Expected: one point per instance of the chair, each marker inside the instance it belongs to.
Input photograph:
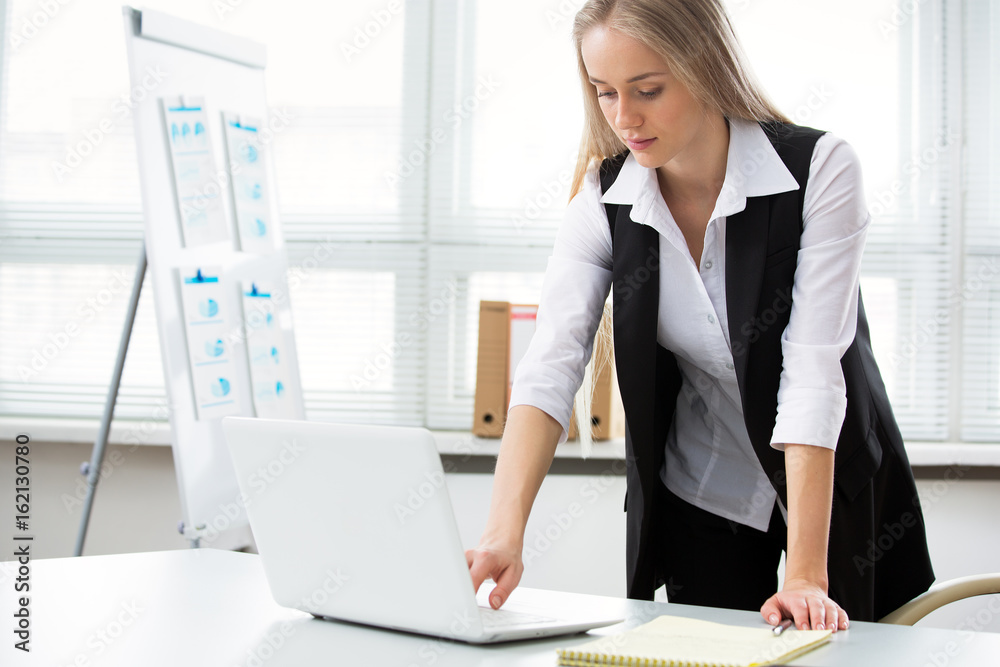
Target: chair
(941, 594)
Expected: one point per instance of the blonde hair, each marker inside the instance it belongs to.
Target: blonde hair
(698, 44)
(602, 356)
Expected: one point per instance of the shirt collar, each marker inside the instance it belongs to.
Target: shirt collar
(753, 169)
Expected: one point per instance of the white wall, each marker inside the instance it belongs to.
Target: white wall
(575, 538)
(136, 508)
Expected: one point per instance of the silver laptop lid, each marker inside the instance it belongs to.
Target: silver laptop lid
(354, 522)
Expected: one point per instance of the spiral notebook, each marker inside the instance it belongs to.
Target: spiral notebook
(670, 641)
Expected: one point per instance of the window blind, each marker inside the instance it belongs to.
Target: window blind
(351, 78)
(460, 278)
(512, 126)
(433, 160)
(497, 192)
(889, 97)
(979, 291)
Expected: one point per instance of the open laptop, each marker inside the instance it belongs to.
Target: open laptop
(354, 523)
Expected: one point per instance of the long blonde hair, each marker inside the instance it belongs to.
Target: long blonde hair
(698, 44)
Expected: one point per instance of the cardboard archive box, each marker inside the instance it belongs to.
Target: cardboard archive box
(504, 332)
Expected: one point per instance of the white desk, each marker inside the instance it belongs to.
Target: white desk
(213, 608)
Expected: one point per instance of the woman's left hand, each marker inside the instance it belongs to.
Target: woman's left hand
(807, 604)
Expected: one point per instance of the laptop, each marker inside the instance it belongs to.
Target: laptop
(354, 523)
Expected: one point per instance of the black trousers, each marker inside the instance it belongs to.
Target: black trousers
(707, 560)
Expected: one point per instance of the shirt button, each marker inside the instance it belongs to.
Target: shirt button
(729, 365)
(711, 319)
(708, 264)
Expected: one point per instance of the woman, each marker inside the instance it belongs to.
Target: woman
(733, 242)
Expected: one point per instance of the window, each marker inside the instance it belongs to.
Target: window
(455, 147)
(353, 81)
(914, 94)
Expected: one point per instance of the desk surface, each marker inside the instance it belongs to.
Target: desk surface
(213, 608)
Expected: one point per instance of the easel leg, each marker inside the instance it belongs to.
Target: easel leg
(93, 469)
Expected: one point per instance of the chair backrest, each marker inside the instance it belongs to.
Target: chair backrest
(941, 594)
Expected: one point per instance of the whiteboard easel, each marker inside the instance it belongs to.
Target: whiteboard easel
(169, 57)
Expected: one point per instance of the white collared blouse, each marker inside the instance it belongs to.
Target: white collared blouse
(709, 459)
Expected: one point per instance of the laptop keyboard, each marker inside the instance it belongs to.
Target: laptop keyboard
(502, 618)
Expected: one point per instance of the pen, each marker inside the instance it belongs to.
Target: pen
(781, 627)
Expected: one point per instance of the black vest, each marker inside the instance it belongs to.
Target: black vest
(874, 487)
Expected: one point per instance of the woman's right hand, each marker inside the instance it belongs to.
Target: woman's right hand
(498, 561)
(529, 444)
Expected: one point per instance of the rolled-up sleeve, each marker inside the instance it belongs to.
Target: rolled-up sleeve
(575, 287)
(812, 396)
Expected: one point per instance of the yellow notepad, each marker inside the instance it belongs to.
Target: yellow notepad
(670, 641)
